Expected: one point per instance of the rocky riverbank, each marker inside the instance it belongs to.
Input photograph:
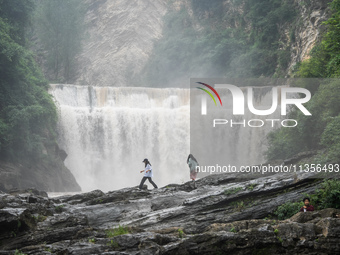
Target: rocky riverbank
(225, 214)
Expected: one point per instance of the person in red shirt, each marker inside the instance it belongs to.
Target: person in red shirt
(307, 207)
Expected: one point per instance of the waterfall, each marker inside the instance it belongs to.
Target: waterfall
(108, 131)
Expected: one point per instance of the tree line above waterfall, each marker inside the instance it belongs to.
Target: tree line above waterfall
(234, 39)
(47, 32)
(27, 112)
(57, 33)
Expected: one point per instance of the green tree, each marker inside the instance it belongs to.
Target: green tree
(325, 57)
(287, 210)
(319, 131)
(219, 40)
(327, 196)
(312, 132)
(60, 30)
(19, 15)
(27, 112)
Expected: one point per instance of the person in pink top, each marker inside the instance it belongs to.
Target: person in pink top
(193, 164)
(307, 207)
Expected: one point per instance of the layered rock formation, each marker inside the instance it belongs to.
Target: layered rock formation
(121, 34)
(119, 40)
(225, 214)
(308, 29)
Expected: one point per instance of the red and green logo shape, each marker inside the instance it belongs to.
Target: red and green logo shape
(207, 91)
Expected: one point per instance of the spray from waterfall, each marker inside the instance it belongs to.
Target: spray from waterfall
(108, 131)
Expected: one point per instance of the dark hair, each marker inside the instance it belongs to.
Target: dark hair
(192, 157)
(306, 198)
(147, 162)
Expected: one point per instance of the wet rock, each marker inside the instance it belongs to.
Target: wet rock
(303, 217)
(31, 191)
(225, 214)
(330, 227)
(84, 197)
(299, 156)
(60, 153)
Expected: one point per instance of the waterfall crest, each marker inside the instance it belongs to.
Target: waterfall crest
(108, 131)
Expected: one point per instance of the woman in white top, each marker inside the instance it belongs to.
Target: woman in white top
(147, 175)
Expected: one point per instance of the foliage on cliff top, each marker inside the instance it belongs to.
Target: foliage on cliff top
(219, 39)
(59, 27)
(324, 61)
(27, 112)
(315, 132)
(321, 130)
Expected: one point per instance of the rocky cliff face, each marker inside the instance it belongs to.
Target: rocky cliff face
(119, 40)
(308, 29)
(121, 35)
(56, 178)
(47, 174)
(225, 214)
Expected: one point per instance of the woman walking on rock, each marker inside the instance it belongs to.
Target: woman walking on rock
(147, 175)
(193, 164)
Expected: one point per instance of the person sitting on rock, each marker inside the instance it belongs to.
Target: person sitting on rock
(307, 207)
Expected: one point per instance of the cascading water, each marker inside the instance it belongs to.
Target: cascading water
(108, 131)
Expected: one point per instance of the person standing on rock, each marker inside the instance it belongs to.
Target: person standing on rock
(193, 164)
(147, 175)
(307, 207)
